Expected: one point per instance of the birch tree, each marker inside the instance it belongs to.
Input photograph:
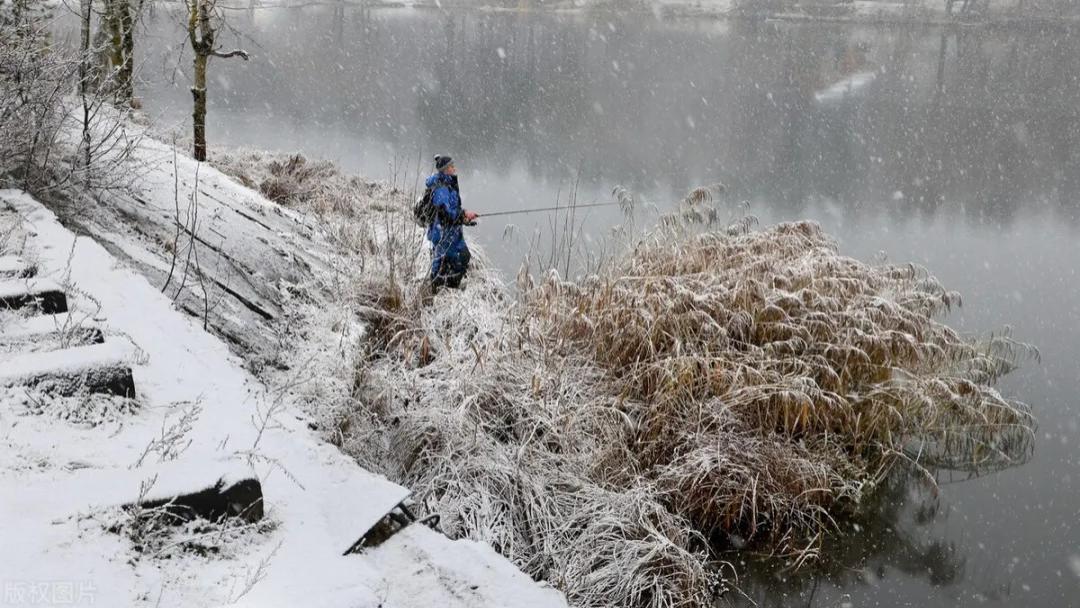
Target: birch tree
(121, 17)
(85, 10)
(204, 21)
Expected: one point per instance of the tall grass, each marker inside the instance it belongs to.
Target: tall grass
(709, 388)
(609, 434)
(772, 378)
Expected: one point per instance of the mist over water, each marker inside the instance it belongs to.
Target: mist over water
(957, 149)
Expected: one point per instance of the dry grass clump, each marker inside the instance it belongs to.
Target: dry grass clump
(510, 453)
(294, 181)
(776, 377)
(709, 389)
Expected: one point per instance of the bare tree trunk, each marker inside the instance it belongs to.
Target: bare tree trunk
(126, 75)
(126, 43)
(198, 92)
(201, 35)
(201, 32)
(84, 76)
(120, 19)
(111, 23)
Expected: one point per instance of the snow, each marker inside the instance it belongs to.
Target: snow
(24, 328)
(14, 288)
(69, 362)
(58, 480)
(246, 246)
(12, 264)
(93, 489)
(356, 503)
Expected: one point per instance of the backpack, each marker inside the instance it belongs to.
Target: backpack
(424, 209)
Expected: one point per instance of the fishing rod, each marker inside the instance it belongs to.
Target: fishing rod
(543, 209)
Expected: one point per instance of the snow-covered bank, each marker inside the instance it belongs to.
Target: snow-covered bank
(221, 251)
(63, 482)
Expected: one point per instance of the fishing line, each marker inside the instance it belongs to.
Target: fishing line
(543, 209)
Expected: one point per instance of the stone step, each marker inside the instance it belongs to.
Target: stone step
(183, 489)
(99, 368)
(358, 509)
(223, 499)
(13, 266)
(78, 328)
(20, 293)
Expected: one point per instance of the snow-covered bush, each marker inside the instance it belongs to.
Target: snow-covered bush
(34, 77)
(62, 129)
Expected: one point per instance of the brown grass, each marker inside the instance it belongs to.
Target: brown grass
(773, 378)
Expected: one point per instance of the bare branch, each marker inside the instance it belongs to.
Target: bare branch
(237, 53)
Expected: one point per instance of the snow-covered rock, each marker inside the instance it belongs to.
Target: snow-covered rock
(48, 294)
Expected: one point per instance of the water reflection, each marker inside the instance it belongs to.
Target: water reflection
(892, 534)
(889, 538)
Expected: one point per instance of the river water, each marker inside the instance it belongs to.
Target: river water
(955, 149)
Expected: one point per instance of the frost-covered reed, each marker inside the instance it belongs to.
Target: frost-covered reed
(707, 389)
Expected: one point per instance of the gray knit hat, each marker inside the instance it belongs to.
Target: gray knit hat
(442, 162)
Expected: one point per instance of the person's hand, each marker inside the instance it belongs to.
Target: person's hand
(470, 216)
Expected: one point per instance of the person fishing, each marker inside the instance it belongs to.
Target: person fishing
(440, 211)
(449, 254)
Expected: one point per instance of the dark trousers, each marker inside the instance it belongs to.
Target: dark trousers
(451, 267)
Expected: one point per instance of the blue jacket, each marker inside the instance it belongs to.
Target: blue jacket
(450, 255)
(445, 232)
